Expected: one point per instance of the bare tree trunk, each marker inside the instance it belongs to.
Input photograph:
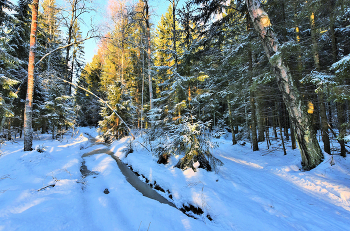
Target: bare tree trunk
(324, 124)
(280, 127)
(332, 30)
(9, 129)
(267, 132)
(323, 115)
(341, 126)
(252, 102)
(292, 134)
(70, 35)
(43, 126)
(253, 125)
(261, 122)
(174, 32)
(28, 130)
(314, 42)
(310, 150)
(143, 84)
(254, 136)
(148, 35)
(286, 123)
(274, 124)
(231, 122)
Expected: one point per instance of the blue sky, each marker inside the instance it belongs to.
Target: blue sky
(158, 7)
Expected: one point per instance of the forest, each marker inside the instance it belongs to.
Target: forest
(222, 106)
(207, 67)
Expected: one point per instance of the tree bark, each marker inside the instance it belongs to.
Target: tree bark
(310, 150)
(28, 130)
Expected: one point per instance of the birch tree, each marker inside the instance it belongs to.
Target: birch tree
(310, 150)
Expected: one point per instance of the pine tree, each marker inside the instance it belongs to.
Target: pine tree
(28, 130)
(88, 106)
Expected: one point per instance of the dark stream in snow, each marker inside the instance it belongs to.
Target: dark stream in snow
(130, 176)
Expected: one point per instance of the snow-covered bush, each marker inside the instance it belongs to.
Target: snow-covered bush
(190, 139)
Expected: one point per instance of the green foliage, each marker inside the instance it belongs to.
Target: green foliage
(87, 105)
(196, 144)
(341, 82)
(6, 96)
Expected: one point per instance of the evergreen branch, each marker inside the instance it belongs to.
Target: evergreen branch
(101, 101)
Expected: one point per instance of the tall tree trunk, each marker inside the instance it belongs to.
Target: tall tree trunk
(267, 131)
(143, 82)
(148, 35)
(9, 129)
(323, 115)
(253, 123)
(43, 126)
(311, 153)
(332, 30)
(70, 35)
(314, 42)
(274, 123)
(174, 32)
(342, 128)
(299, 68)
(286, 124)
(252, 101)
(254, 137)
(324, 124)
(28, 130)
(280, 127)
(261, 122)
(231, 122)
(292, 134)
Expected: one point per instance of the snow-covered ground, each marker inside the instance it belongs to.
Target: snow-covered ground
(262, 190)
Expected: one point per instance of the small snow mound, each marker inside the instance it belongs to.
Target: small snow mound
(196, 164)
(291, 168)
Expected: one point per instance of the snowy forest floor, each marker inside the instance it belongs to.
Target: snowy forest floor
(58, 189)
